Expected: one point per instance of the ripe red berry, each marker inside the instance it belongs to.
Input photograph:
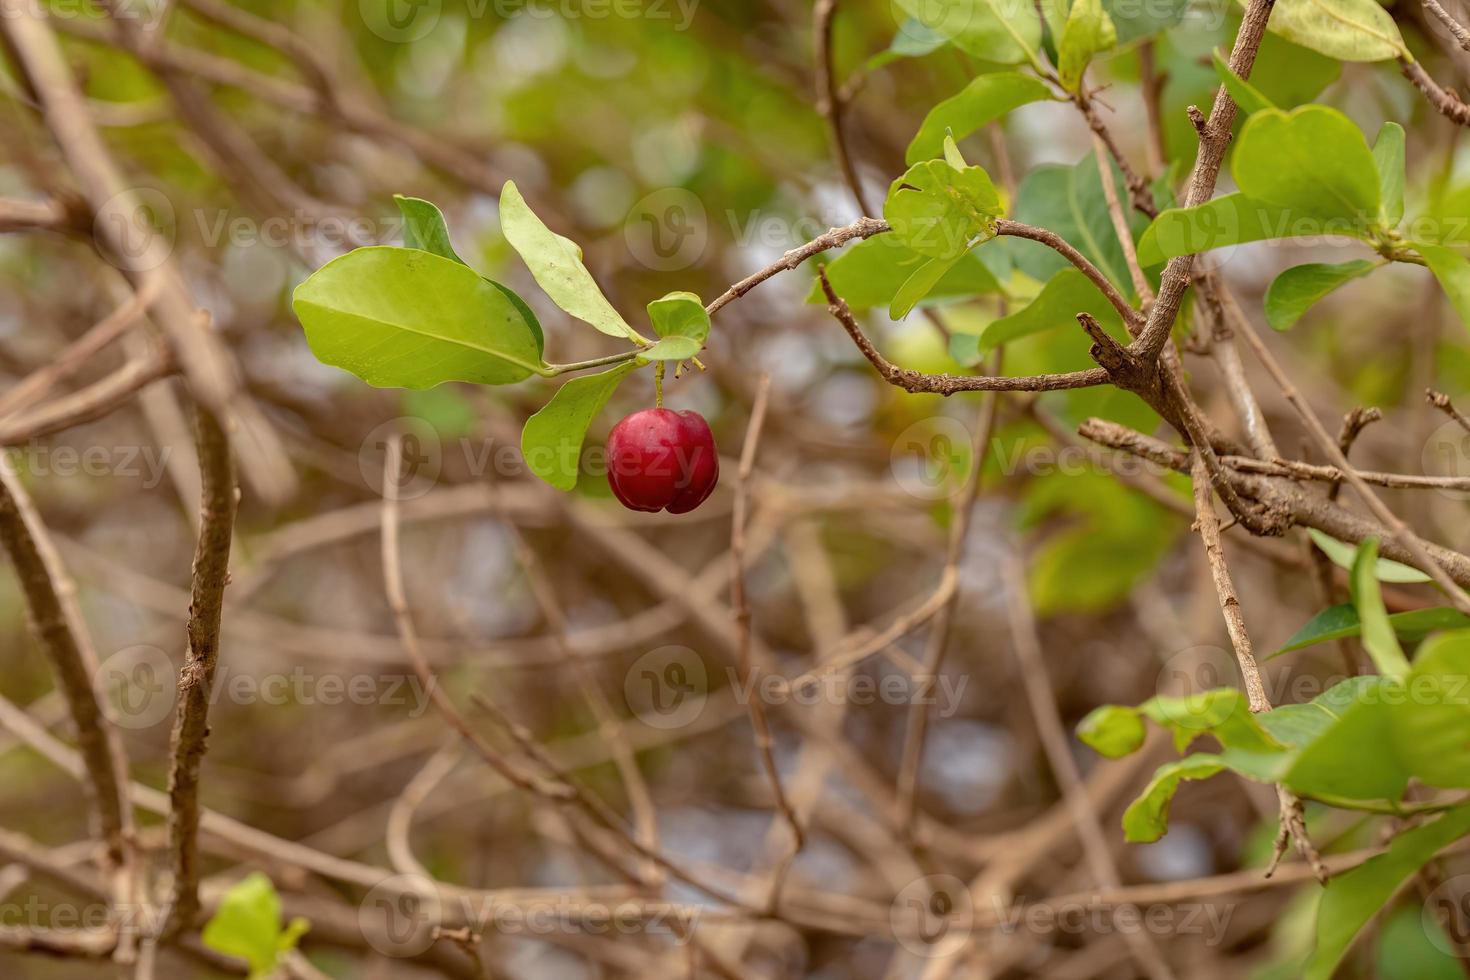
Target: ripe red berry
(659, 459)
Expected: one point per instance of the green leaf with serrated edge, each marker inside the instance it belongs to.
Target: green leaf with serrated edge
(247, 924)
(1431, 727)
(992, 30)
(920, 284)
(1112, 730)
(1313, 160)
(1247, 96)
(1088, 32)
(1341, 622)
(1378, 636)
(942, 212)
(986, 99)
(403, 318)
(1348, 30)
(1453, 272)
(1065, 295)
(1388, 155)
(1354, 897)
(870, 273)
(424, 228)
(1147, 817)
(551, 441)
(679, 314)
(556, 264)
(1342, 556)
(1231, 219)
(1295, 291)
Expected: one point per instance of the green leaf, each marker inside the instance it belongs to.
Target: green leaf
(552, 440)
(942, 212)
(920, 284)
(1378, 636)
(1065, 295)
(1135, 20)
(1431, 727)
(556, 264)
(1070, 202)
(1112, 730)
(870, 273)
(1348, 30)
(424, 228)
(1221, 712)
(1354, 758)
(1388, 156)
(1147, 818)
(1312, 160)
(914, 40)
(247, 925)
(671, 349)
(1354, 897)
(1295, 291)
(1453, 272)
(679, 314)
(1247, 96)
(1088, 31)
(952, 154)
(1341, 622)
(986, 99)
(1231, 219)
(1343, 555)
(992, 30)
(400, 317)
(1299, 725)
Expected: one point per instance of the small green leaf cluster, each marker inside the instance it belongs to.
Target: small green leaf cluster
(247, 925)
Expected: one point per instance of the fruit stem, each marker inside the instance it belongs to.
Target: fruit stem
(658, 385)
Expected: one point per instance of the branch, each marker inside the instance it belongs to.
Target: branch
(1447, 103)
(829, 103)
(218, 503)
(833, 238)
(948, 384)
(1442, 402)
(1061, 246)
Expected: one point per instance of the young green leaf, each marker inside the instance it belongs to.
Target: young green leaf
(551, 441)
(1147, 818)
(1222, 712)
(424, 227)
(1341, 622)
(679, 314)
(556, 264)
(952, 154)
(870, 274)
(1378, 636)
(1348, 30)
(942, 212)
(1430, 727)
(1295, 291)
(1388, 155)
(1089, 31)
(670, 349)
(400, 317)
(1354, 757)
(992, 30)
(1247, 96)
(1112, 730)
(1453, 272)
(1354, 897)
(247, 925)
(920, 284)
(1312, 161)
(986, 99)
(1343, 556)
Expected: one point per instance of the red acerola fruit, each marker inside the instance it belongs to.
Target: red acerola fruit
(660, 459)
